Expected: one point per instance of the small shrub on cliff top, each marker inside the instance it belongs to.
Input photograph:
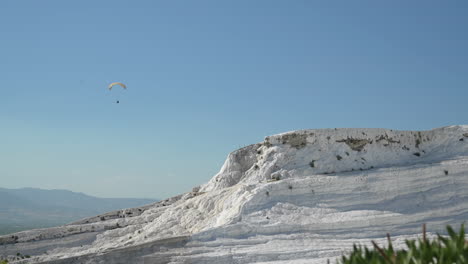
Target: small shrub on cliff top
(452, 249)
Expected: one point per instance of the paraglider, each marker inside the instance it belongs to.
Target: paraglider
(119, 84)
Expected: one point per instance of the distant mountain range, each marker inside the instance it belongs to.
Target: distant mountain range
(28, 208)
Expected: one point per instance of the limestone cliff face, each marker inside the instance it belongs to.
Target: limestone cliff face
(327, 151)
(298, 196)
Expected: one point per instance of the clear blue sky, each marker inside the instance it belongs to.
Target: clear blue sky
(207, 77)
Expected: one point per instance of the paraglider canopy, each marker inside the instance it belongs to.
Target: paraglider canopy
(117, 83)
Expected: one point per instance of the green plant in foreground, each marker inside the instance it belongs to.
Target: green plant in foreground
(3, 261)
(451, 249)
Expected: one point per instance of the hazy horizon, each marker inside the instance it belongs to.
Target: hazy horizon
(32, 208)
(78, 192)
(207, 77)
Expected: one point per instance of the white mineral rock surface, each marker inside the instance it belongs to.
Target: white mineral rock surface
(298, 197)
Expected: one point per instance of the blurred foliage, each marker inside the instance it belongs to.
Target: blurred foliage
(451, 249)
